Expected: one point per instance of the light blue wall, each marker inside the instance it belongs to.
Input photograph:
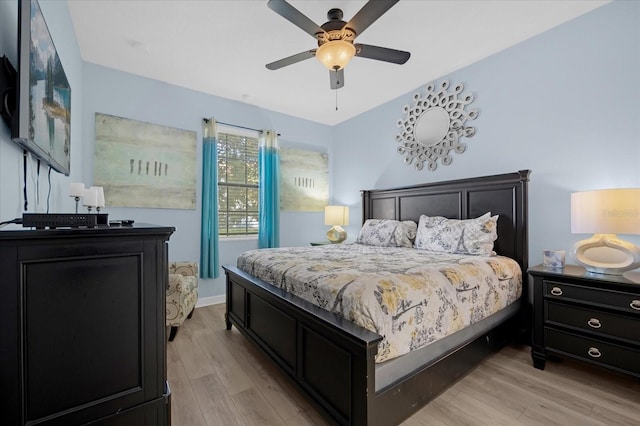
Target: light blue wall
(59, 23)
(121, 94)
(565, 104)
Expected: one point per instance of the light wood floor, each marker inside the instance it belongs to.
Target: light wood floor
(217, 377)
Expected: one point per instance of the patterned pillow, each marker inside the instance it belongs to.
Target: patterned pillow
(387, 233)
(471, 236)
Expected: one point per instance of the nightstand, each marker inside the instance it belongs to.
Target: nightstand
(590, 317)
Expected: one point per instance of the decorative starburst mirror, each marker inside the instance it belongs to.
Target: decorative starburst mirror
(433, 125)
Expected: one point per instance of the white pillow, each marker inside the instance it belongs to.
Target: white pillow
(387, 233)
(470, 236)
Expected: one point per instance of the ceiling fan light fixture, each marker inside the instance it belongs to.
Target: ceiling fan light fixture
(335, 54)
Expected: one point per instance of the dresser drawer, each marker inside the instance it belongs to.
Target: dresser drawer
(591, 320)
(626, 302)
(593, 350)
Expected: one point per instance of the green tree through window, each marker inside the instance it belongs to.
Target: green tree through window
(238, 179)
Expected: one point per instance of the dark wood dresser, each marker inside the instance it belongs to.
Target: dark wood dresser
(82, 326)
(591, 317)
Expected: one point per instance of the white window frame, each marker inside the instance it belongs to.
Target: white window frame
(242, 133)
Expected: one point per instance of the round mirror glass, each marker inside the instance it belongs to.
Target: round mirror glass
(432, 126)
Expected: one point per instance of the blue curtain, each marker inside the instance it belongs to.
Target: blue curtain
(209, 263)
(269, 163)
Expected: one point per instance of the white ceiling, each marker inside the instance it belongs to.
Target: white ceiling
(221, 47)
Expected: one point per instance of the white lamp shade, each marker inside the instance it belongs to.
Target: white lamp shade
(90, 197)
(335, 54)
(336, 215)
(76, 189)
(606, 211)
(100, 195)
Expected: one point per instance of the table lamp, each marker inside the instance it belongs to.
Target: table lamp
(90, 198)
(605, 213)
(76, 191)
(336, 216)
(100, 197)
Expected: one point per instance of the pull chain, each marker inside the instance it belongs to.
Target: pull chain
(336, 99)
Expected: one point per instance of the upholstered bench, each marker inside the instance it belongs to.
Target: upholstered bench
(182, 294)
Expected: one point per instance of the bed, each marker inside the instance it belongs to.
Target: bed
(333, 360)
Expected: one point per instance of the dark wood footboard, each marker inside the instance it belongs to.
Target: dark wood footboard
(329, 358)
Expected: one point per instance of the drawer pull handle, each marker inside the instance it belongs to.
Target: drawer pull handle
(635, 305)
(594, 323)
(594, 352)
(557, 291)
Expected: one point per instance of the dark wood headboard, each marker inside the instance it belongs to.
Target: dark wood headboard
(504, 195)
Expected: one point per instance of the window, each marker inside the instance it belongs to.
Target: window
(238, 179)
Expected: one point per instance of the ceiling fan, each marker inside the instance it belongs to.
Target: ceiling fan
(335, 38)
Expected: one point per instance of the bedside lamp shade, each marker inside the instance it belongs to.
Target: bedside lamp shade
(605, 213)
(336, 216)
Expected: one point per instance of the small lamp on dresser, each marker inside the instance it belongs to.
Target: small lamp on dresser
(76, 190)
(605, 213)
(99, 197)
(90, 198)
(336, 216)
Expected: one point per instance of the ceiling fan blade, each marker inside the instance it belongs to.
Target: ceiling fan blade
(290, 60)
(293, 15)
(369, 13)
(382, 53)
(337, 79)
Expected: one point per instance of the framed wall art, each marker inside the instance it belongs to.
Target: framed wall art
(304, 180)
(144, 165)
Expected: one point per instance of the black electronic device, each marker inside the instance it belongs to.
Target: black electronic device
(41, 112)
(58, 220)
(8, 76)
(120, 222)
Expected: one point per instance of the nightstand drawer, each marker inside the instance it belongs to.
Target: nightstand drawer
(626, 302)
(605, 354)
(615, 326)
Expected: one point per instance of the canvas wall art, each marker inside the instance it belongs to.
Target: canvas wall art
(304, 180)
(145, 165)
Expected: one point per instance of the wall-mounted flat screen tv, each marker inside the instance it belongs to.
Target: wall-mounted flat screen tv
(41, 122)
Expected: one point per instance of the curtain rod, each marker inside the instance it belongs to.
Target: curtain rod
(206, 120)
(236, 126)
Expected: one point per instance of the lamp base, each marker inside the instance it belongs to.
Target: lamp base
(336, 234)
(622, 256)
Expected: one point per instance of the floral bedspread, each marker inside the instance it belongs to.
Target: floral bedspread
(410, 297)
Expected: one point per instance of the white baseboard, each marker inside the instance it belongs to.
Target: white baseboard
(211, 300)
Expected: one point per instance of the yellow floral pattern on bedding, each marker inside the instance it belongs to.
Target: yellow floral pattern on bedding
(410, 297)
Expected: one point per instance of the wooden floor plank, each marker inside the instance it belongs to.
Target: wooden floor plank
(218, 377)
(196, 362)
(184, 405)
(588, 387)
(218, 407)
(255, 409)
(491, 394)
(274, 385)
